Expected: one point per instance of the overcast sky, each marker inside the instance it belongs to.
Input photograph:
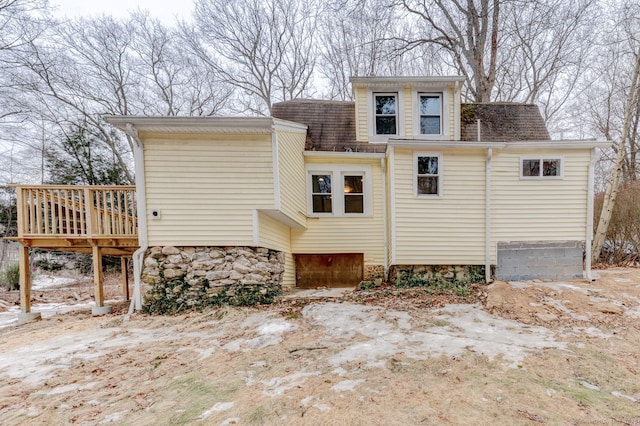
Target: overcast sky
(165, 10)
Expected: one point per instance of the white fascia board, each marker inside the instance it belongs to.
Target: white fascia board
(183, 124)
(559, 144)
(285, 219)
(349, 155)
(414, 81)
(432, 144)
(289, 126)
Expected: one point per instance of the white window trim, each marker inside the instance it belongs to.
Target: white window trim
(415, 174)
(337, 173)
(541, 159)
(444, 113)
(400, 123)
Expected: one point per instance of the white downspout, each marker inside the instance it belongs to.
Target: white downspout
(383, 165)
(141, 199)
(487, 218)
(589, 235)
(487, 212)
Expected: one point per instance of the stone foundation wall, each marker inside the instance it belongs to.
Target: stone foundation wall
(372, 272)
(220, 266)
(435, 273)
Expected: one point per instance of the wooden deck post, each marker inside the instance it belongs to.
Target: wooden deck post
(25, 315)
(98, 277)
(25, 280)
(125, 277)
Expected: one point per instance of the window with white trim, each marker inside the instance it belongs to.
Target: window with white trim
(428, 174)
(321, 193)
(430, 113)
(385, 108)
(541, 168)
(339, 190)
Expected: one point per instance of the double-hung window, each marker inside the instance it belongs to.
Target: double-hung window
(339, 190)
(321, 193)
(430, 112)
(386, 113)
(428, 174)
(541, 168)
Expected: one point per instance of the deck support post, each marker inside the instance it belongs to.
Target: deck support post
(125, 277)
(98, 287)
(25, 288)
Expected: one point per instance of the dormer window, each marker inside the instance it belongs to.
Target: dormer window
(430, 109)
(386, 113)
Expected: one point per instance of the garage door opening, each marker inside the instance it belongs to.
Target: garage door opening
(329, 270)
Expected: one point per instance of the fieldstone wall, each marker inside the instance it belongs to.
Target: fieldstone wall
(220, 266)
(437, 273)
(373, 272)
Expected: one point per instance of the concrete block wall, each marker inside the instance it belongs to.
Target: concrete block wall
(557, 260)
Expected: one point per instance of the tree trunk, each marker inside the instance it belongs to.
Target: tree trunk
(611, 191)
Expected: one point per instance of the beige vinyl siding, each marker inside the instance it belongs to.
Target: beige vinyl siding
(407, 112)
(346, 234)
(539, 209)
(448, 230)
(276, 236)
(362, 113)
(289, 277)
(454, 118)
(388, 208)
(206, 187)
(273, 234)
(293, 201)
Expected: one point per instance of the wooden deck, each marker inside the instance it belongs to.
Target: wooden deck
(101, 220)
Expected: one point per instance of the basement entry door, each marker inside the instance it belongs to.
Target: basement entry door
(329, 270)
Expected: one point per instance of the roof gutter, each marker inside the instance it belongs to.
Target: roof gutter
(141, 197)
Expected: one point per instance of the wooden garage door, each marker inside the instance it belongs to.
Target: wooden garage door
(329, 270)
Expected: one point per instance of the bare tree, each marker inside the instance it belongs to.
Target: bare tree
(614, 182)
(87, 68)
(176, 82)
(625, 46)
(468, 31)
(508, 50)
(266, 49)
(355, 40)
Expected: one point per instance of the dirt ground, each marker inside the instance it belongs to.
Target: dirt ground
(519, 353)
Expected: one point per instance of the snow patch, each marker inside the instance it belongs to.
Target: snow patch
(279, 385)
(217, 407)
(347, 385)
(42, 281)
(469, 329)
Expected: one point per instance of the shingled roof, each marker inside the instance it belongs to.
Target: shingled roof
(502, 122)
(331, 124)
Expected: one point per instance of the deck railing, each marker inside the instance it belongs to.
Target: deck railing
(77, 211)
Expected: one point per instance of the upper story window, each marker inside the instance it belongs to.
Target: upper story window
(339, 190)
(430, 111)
(428, 174)
(321, 193)
(386, 113)
(541, 168)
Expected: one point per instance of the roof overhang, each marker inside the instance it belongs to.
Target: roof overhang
(412, 143)
(557, 144)
(345, 154)
(184, 124)
(401, 81)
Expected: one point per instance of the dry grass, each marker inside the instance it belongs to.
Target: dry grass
(188, 374)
